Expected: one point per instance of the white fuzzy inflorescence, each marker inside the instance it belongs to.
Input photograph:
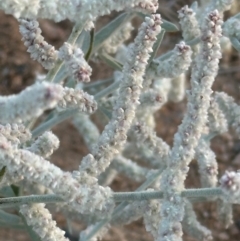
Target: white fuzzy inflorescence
(189, 23)
(231, 28)
(45, 144)
(192, 226)
(208, 167)
(81, 197)
(15, 133)
(112, 44)
(75, 10)
(31, 102)
(39, 49)
(77, 99)
(75, 63)
(230, 184)
(175, 65)
(230, 109)
(40, 219)
(189, 132)
(114, 135)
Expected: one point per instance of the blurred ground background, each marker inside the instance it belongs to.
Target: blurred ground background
(17, 71)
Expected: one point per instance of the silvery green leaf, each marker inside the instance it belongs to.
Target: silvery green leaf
(7, 192)
(86, 42)
(237, 16)
(168, 26)
(70, 83)
(235, 43)
(109, 60)
(103, 34)
(106, 112)
(194, 6)
(9, 218)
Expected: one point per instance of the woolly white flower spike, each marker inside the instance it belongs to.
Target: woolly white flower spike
(129, 168)
(160, 149)
(40, 219)
(114, 135)
(10, 178)
(172, 67)
(15, 133)
(230, 109)
(84, 197)
(220, 5)
(231, 28)
(39, 49)
(76, 10)
(112, 44)
(192, 226)
(56, 10)
(217, 122)
(150, 101)
(207, 163)
(178, 88)
(77, 98)
(26, 8)
(189, 23)
(147, 6)
(151, 217)
(225, 213)
(87, 129)
(31, 102)
(189, 132)
(75, 62)
(45, 144)
(210, 5)
(230, 185)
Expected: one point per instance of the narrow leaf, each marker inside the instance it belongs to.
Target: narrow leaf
(88, 54)
(194, 6)
(8, 218)
(86, 42)
(106, 112)
(15, 190)
(7, 192)
(235, 43)
(109, 60)
(2, 172)
(168, 26)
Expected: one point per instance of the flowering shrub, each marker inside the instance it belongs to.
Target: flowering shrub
(141, 84)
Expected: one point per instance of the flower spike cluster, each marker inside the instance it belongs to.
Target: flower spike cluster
(114, 135)
(75, 63)
(18, 108)
(141, 85)
(39, 49)
(40, 219)
(189, 132)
